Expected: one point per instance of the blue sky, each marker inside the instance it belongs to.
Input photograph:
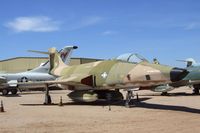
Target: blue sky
(168, 30)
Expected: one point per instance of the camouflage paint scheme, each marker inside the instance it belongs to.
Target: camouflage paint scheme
(109, 74)
(103, 79)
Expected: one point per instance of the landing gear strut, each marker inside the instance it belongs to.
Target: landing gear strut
(129, 97)
(196, 89)
(14, 91)
(164, 93)
(47, 96)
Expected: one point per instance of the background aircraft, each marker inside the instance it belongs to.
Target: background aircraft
(194, 68)
(103, 79)
(192, 79)
(190, 62)
(8, 81)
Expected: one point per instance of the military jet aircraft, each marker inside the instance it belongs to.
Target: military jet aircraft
(190, 62)
(194, 68)
(103, 79)
(8, 81)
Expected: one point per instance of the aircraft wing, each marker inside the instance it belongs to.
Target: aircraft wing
(138, 84)
(89, 81)
(74, 80)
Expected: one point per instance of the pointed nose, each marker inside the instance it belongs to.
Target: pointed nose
(178, 74)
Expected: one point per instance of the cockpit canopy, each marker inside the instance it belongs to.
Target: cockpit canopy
(131, 58)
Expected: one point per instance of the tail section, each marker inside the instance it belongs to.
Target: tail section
(65, 54)
(189, 62)
(56, 62)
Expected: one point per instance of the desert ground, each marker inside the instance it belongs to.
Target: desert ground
(25, 113)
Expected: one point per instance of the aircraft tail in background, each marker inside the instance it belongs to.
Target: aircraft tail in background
(65, 54)
(189, 62)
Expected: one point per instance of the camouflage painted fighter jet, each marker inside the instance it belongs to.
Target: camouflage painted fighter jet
(8, 81)
(103, 79)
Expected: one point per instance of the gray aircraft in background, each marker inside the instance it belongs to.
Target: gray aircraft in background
(8, 81)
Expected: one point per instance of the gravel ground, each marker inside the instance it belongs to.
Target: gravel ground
(179, 112)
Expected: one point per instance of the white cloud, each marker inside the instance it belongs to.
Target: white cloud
(33, 24)
(84, 22)
(91, 21)
(192, 26)
(109, 32)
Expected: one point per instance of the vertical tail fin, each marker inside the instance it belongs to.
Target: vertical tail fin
(66, 53)
(56, 62)
(189, 62)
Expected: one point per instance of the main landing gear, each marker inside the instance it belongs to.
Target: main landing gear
(129, 97)
(196, 89)
(164, 93)
(6, 91)
(47, 100)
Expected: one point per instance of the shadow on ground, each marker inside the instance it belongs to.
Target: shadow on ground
(11, 95)
(166, 107)
(97, 103)
(177, 94)
(136, 104)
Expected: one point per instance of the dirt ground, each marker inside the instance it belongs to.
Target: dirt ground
(179, 112)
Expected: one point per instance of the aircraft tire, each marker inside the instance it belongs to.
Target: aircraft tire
(5, 92)
(196, 89)
(164, 94)
(14, 91)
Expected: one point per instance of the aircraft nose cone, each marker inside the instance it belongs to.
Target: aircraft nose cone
(178, 74)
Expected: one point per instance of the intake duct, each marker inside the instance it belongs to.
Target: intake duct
(178, 74)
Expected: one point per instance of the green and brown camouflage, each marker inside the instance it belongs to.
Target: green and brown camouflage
(103, 79)
(113, 74)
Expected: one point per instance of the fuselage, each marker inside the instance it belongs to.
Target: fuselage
(112, 73)
(27, 76)
(38, 74)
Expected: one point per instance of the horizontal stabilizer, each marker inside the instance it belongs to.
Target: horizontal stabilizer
(39, 52)
(189, 62)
